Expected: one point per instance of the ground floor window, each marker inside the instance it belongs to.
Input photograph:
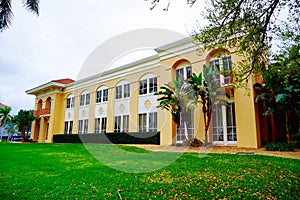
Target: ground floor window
(100, 125)
(121, 123)
(223, 123)
(83, 126)
(148, 122)
(68, 127)
(180, 131)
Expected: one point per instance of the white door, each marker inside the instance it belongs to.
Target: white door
(223, 125)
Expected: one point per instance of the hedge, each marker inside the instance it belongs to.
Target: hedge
(110, 138)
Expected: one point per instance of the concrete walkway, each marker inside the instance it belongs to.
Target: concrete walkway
(222, 149)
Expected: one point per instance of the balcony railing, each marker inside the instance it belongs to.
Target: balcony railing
(41, 112)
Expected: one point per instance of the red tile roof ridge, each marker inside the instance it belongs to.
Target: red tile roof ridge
(63, 81)
(3, 105)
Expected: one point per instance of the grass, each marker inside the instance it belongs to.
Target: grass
(69, 171)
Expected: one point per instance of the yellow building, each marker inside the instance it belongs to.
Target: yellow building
(123, 100)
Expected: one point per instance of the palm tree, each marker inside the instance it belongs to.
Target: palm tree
(179, 98)
(5, 116)
(6, 13)
(207, 89)
(23, 120)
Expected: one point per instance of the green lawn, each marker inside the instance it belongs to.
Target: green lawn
(69, 171)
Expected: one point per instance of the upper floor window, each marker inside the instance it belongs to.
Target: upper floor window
(223, 64)
(123, 90)
(184, 72)
(102, 94)
(70, 101)
(148, 84)
(84, 99)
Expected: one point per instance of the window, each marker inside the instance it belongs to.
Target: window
(148, 122)
(123, 90)
(153, 122)
(84, 99)
(68, 127)
(119, 92)
(152, 85)
(102, 95)
(70, 102)
(148, 86)
(125, 123)
(184, 73)
(83, 126)
(223, 123)
(143, 87)
(117, 124)
(143, 122)
(121, 123)
(222, 65)
(126, 90)
(100, 125)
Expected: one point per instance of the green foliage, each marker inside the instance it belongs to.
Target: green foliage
(110, 138)
(69, 171)
(23, 121)
(5, 116)
(281, 91)
(295, 138)
(247, 27)
(280, 146)
(208, 91)
(196, 143)
(178, 97)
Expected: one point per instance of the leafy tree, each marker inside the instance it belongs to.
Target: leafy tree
(5, 116)
(11, 129)
(23, 120)
(249, 27)
(178, 97)
(209, 92)
(280, 92)
(6, 13)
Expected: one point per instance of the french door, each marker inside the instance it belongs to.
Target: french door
(223, 125)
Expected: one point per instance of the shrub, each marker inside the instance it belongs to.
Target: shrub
(280, 146)
(196, 143)
(109, 138)
(296, 139)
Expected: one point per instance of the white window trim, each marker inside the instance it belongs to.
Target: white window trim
(147, 79)
(221, 66)
(86, 102)
(121, 123)
(102, 88)
(147, 121)
(184, 67)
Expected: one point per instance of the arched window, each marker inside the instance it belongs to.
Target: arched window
(84, 98)
(148, 84)
(102, 94)
(70, 101)
(123, 89)
(183, 69)
(220, 60)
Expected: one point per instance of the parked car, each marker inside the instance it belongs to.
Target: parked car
(16, 139)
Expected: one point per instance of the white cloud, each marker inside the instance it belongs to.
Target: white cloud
(54, 45)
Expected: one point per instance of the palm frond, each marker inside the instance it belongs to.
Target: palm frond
(6, 14)
(32, 5)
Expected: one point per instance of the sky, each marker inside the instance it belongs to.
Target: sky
(54, 45)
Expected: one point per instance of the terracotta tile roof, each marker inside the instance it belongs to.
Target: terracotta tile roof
(3, 105)
(64, 81)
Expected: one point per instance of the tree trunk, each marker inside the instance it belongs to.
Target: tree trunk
(186, 131)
